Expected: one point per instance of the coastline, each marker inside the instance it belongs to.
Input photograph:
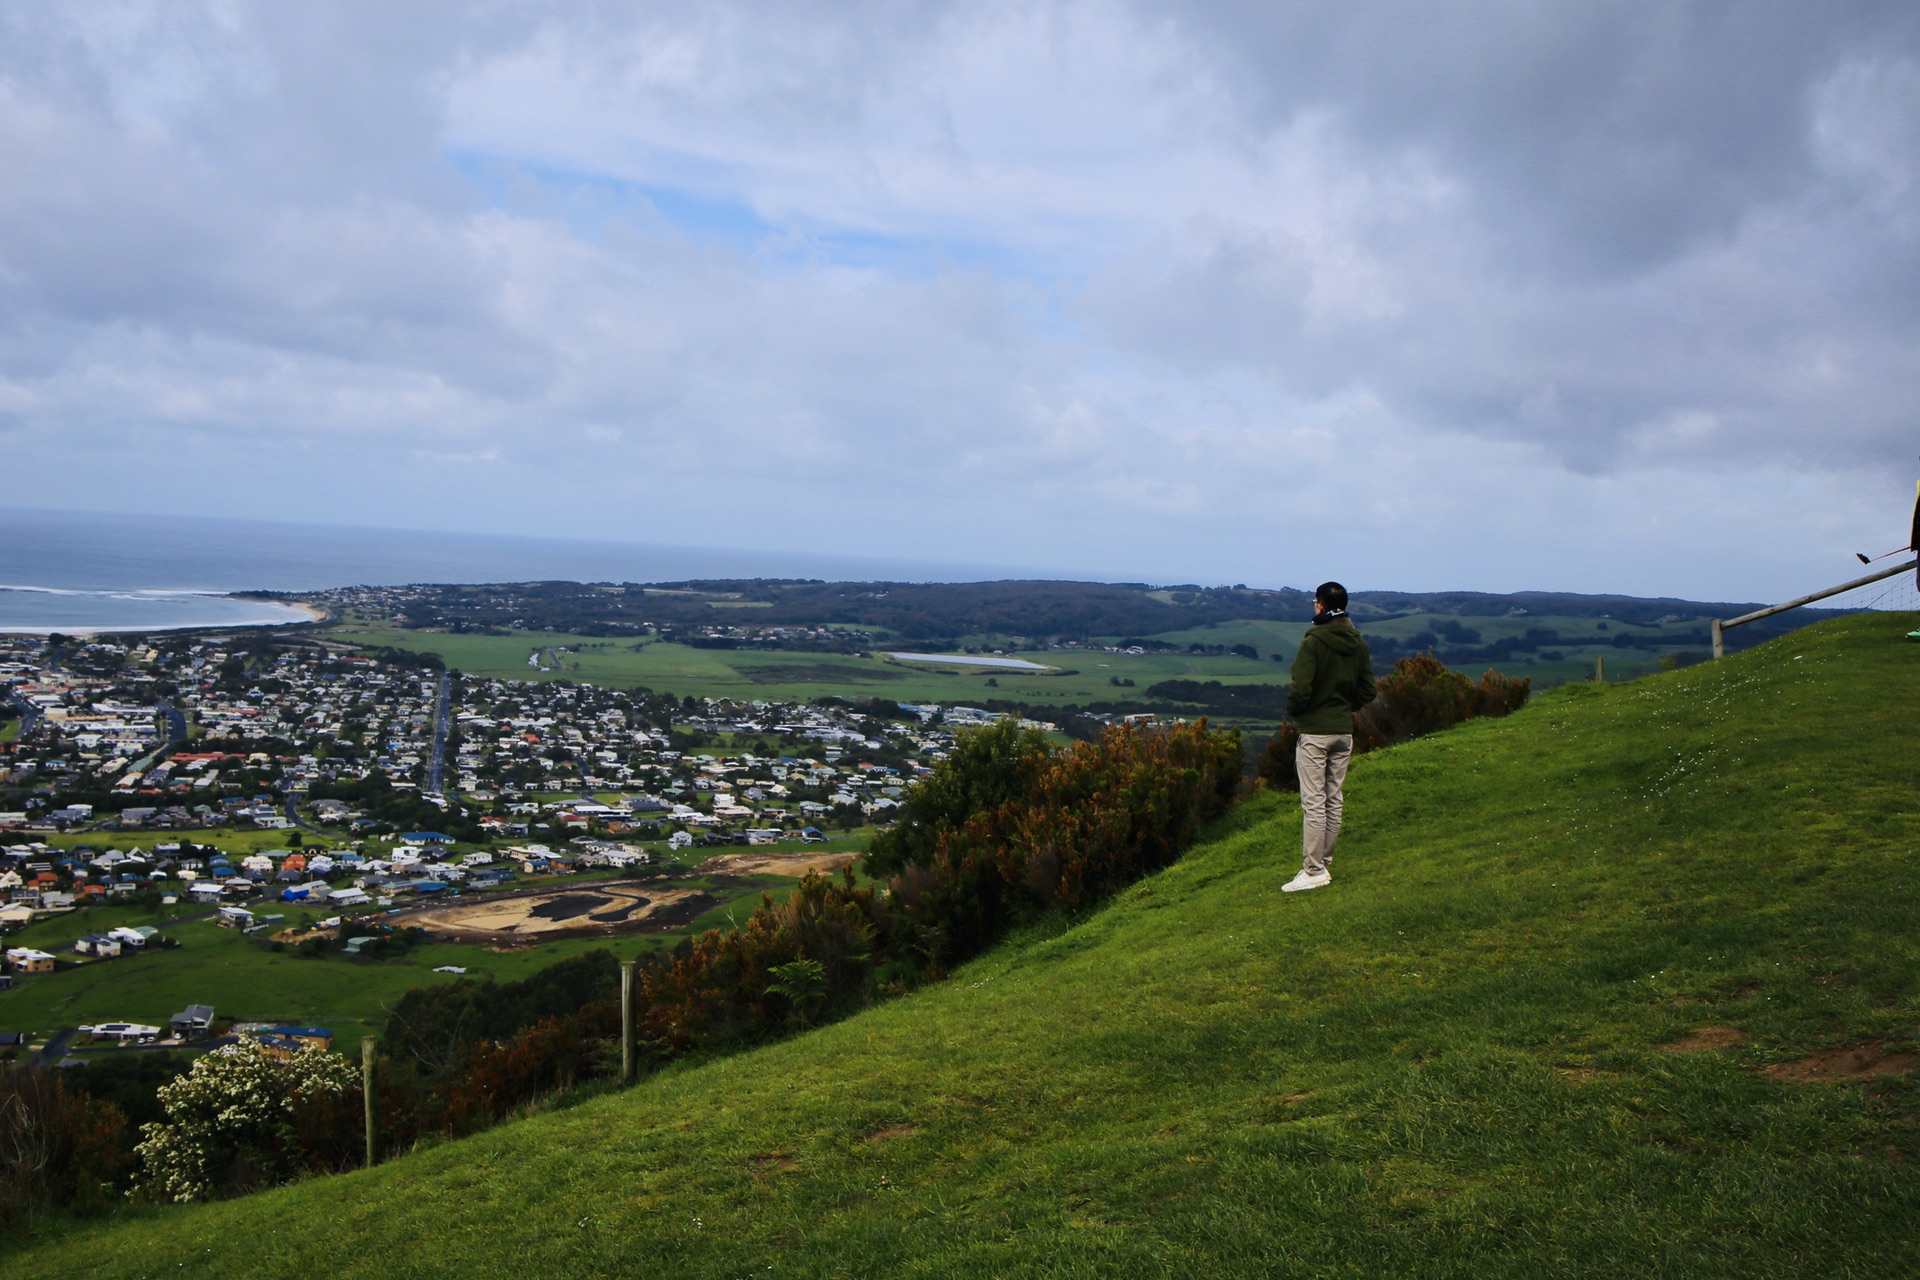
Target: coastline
(105, 613)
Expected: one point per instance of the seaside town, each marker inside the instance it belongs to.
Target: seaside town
(250, 776)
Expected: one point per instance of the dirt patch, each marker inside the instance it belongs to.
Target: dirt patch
(892, 1131)
(594, 906)
(1578, 1075)
(1706, 1038)
(576, 911)
(764, 1165)
(793, 865)
(1853, 1062)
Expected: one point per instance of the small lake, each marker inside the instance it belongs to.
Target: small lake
(972, 660)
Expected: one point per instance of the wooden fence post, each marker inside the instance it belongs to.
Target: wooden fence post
(366, 1090)
(626, 1021)
(1600, 668)
(1720, 625)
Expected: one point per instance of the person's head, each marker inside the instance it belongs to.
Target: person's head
(1330, 596)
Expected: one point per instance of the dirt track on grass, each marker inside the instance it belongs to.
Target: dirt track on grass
(777, 864)
(574, 911)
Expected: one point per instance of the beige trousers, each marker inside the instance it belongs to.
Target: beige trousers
(1322, 760)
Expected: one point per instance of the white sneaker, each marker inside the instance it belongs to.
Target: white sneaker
(1303, 881)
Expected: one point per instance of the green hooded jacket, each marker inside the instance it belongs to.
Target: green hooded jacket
(1332, 677)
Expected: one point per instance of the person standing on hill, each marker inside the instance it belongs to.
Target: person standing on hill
(1332, 679)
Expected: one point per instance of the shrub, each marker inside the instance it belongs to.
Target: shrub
(1420, 696)
(1498, 695)
(59, 1149)
(241, 1119)
(1098, 816)
(986, 768)
(739, 985)
(436, 1027)
(1068, 829)
(1279, 767)
(550, 1056)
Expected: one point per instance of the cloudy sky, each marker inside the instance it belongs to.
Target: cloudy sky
(1606, 297)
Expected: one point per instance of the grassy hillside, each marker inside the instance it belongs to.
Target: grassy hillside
(1573, 1005)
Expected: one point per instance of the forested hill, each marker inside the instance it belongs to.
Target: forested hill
(1036, 609)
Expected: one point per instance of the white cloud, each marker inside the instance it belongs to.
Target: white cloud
(1483, 296)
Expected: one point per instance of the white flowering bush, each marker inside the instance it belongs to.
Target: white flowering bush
(241, 1119)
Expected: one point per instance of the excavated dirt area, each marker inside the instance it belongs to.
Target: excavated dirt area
(1852, 1062)
(777, 864)
(1706, 1038)
(1849, 1062)
(575, 911)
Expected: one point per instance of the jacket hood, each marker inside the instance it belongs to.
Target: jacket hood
(1338, 635)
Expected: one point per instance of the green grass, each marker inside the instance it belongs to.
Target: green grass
(241, 840)
(758, 674)
(1450, 1063)
(243, 978)
(1078, 677)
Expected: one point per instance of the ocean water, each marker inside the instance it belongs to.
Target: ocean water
(80, 572)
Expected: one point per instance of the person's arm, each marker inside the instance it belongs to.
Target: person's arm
(1364, 689)
(1300, 693)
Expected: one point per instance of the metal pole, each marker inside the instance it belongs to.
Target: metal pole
(626, 1022)
(1770, 610)
(366, 1091)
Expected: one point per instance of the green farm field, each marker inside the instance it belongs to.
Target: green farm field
(1582, 642)
(752, 674)
(1076, 677)
(231, 840)
(1624, 984)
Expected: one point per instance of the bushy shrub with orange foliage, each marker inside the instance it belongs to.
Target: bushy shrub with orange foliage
(1097, 817)
(1062, 829)
(547, 1057)
(723, 988)
(59, 1149)
(1086, 822)
(1420, 696)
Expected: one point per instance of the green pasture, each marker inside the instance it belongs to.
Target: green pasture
(1626, 984)
(747, 674)
(241, 978)
(244, 978)
(1077, 677)
(238, 841)
(1581, 642)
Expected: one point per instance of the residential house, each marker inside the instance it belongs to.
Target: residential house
(29, 960)
(285, 1042)
(193, 1022)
